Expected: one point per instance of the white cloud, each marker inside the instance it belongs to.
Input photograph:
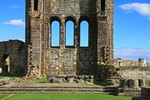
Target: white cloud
(16, 22)
(132, 53)
(141, 8)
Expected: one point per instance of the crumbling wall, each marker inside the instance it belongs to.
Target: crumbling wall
(62, 59)
(145, 94)
(15, 49)
(133, 69)
(136, 72)
(120, 62)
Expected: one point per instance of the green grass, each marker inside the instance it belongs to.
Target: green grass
(66, 97)
(2, 96)
(42, 80)
(11, 76)
(147, 85)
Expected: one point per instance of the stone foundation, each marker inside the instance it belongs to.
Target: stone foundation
(131, 83)
(70, 79)
(107, 75)
(145, 94)
(130, 87)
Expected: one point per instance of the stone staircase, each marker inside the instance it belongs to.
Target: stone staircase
(57, 89)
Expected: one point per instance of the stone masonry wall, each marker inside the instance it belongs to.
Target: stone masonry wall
(15, 49)
(133, 69)
(43, 59)
(68, 69)
(121, 62)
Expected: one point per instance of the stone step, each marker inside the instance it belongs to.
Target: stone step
(105, 90)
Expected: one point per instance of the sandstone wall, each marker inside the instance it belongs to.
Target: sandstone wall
(133, 69)
(15, 50)
(66, 60)
(121, 62)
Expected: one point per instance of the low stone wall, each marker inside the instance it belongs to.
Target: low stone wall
(131, 83)
(130, 87)
(136, 72)
(145, 91)
(120, 62)
(4, 81)
(145, 94)
(70, 79)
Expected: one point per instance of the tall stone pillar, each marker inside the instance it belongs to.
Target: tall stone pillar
(34, 39)
(105, 32)
(76, 48)
(62, 47)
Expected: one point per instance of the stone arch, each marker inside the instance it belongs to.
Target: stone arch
(6, 64)
(70, 33)
(84, 42)
(82, 18)
(72, 18)
(55, 18)
(52, 38)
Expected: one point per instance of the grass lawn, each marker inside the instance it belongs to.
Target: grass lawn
(42, 80)
(2, 96)
(147, 85)
(65, 97)
(11, 76)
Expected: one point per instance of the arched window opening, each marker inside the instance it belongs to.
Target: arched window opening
(35, 4)
(103, 5)
(5, 64)
(69, 33)
(55, 34)
(84, 34)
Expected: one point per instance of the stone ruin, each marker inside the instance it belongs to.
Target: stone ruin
(12, 57)
(45, 59)
(122, 63)
(37, 57)
(134, 69)
(145, 94)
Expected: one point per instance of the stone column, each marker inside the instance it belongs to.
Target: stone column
(76, 48)
(105, 32)
(62, 47)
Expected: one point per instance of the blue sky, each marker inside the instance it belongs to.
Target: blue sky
(131, 26)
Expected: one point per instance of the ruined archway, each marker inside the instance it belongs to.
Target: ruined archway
(5, 64)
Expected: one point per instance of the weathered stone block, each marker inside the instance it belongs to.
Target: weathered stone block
(145, 91)
(133, 83)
